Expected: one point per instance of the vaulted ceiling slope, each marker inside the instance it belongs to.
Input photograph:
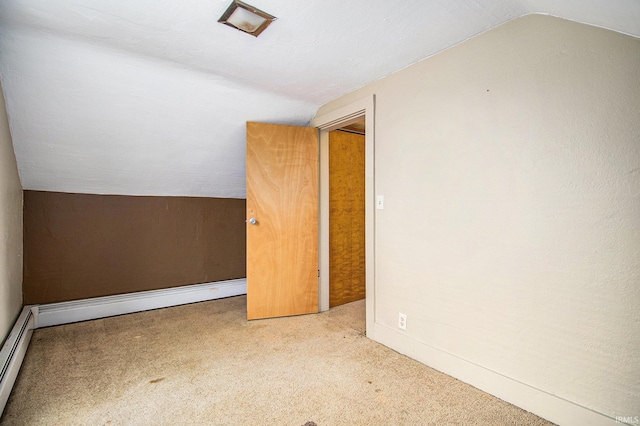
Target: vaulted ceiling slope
(150, 97)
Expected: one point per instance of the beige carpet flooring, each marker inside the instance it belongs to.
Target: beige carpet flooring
(204, 364)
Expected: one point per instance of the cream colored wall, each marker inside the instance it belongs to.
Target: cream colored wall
(10, 229)
(510, 235)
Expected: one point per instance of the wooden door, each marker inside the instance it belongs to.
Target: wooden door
(282, 220)
(346, 217)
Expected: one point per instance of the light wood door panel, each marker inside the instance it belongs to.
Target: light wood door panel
(346, 217)
(282, 196)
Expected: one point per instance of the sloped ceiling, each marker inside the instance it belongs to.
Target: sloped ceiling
(150, 97)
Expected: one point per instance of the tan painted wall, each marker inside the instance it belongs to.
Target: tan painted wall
(10, 229)
(510, 167)
(78, 246)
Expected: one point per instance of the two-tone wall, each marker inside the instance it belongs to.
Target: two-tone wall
(10, 229)
(79, 246)
(510, 236)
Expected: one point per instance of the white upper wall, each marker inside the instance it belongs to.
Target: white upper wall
(10, 229)
(510, 235)
(92, 119)
(150, 98)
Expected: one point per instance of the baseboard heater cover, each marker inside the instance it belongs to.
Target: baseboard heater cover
(102, 307)
(13, 351)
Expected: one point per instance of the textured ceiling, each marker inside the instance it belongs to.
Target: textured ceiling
(150, 97)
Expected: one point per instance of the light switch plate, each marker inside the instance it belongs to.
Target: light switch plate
(380, 202)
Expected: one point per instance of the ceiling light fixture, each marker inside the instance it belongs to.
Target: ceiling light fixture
(246, 18)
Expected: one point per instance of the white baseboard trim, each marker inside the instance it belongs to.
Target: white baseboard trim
(101, 307)
(536, 401)
(13, 351)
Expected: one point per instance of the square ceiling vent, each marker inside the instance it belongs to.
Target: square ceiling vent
(246, 18)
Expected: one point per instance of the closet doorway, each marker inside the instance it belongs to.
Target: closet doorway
(361, 111)
(347, 275)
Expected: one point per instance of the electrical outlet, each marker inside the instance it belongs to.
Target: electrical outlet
(402, 321)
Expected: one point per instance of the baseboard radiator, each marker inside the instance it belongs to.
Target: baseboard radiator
(13, 351)
(120, 304)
